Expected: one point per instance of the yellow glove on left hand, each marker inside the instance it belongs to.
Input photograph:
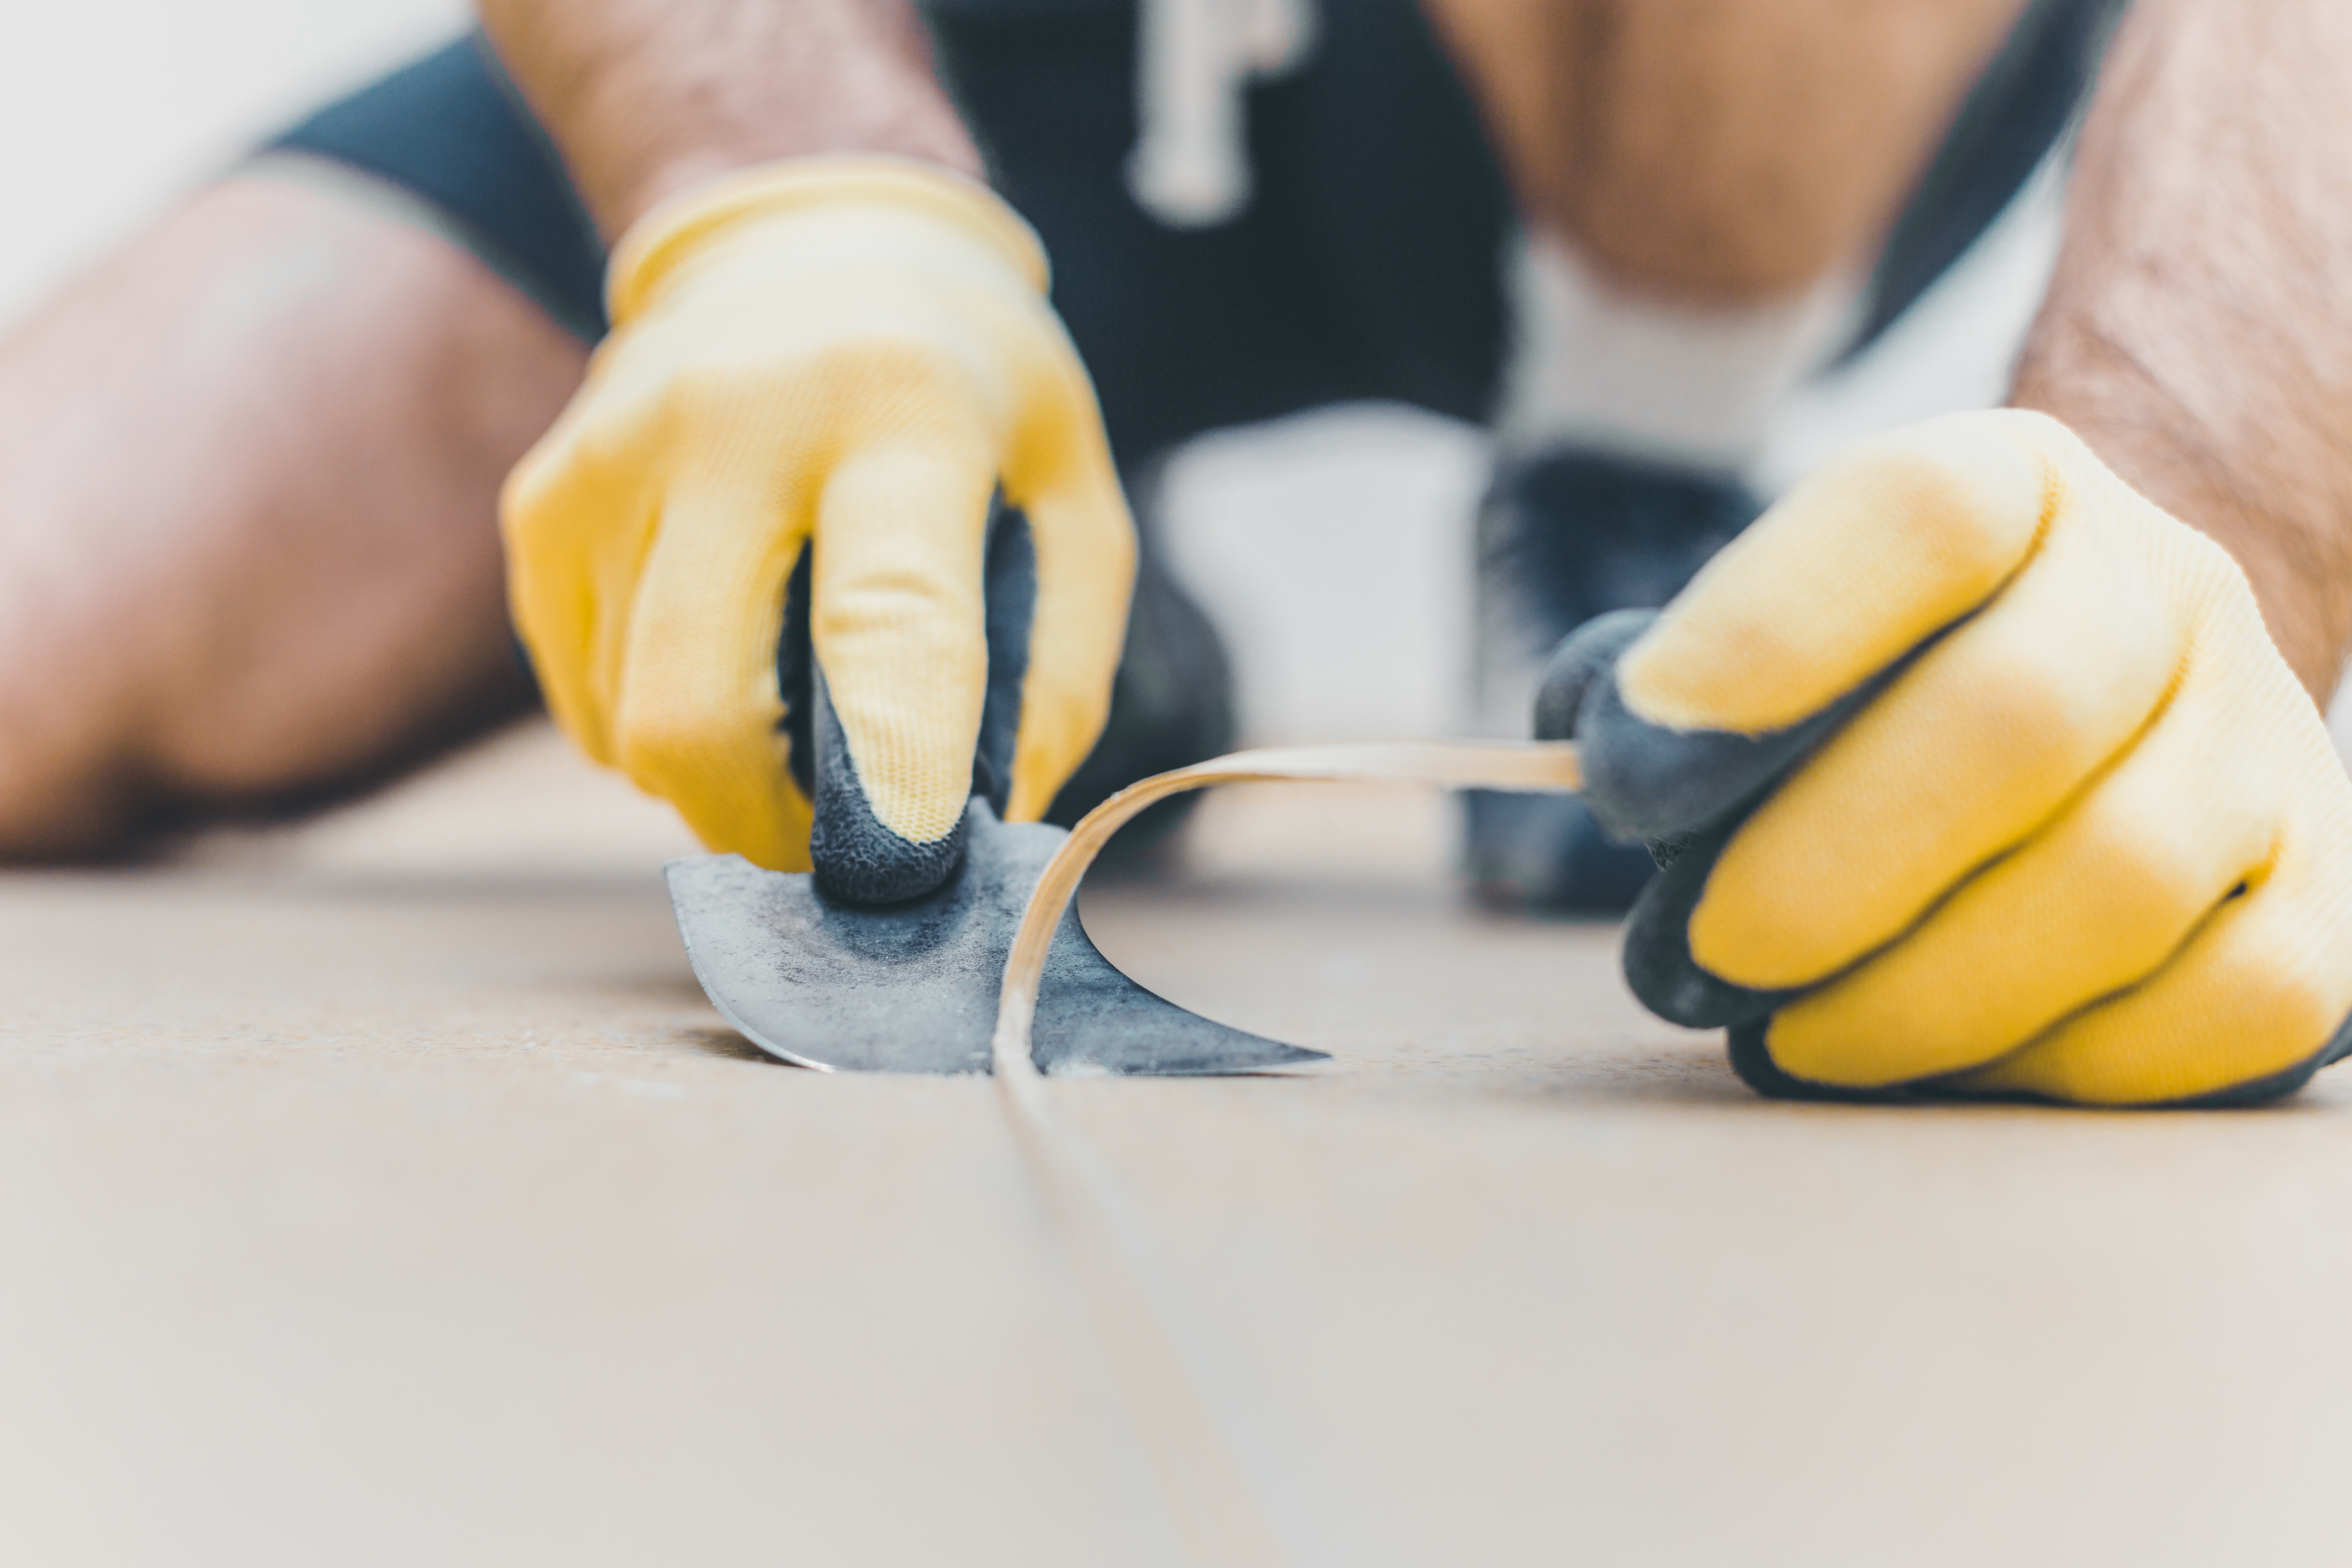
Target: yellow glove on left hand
(1974, 770)
(849, 356)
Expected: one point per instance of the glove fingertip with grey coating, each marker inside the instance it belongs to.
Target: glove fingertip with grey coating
(857, 858)
(1680, 794)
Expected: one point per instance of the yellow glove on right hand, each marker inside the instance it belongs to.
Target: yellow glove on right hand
(851, 354)
(1976, 771)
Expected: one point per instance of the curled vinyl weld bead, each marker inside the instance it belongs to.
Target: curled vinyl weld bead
(1536, 765)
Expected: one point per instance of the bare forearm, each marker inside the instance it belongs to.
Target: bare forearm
(646, 96)
(2195, 333)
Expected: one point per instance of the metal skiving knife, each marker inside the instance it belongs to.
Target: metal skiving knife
(912, 987)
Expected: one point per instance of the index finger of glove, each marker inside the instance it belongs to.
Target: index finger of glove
(899, 630)
(1837, 583)
(1967, 752)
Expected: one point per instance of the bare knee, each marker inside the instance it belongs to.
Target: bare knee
(249, 547)
(1720, 152)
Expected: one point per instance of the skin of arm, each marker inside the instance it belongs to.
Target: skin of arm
(645, 98)
(2195, 333)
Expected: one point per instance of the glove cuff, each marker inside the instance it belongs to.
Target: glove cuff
(681, 226)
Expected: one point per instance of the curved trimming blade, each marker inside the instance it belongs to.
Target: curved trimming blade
(912, 987)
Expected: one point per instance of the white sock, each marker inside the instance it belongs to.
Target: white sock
(1594, 367)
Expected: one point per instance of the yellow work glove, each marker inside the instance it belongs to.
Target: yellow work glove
(1974, 771)
(849, 357)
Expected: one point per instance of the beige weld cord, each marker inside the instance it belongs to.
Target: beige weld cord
(1217, 1509)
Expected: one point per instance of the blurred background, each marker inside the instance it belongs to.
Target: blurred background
(1333, 549)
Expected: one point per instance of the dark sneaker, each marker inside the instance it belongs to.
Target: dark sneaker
(1564, 537)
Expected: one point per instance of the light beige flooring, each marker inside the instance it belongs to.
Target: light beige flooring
(385, 1192)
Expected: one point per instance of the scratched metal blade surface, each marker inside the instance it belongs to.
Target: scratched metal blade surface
(912, 987)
